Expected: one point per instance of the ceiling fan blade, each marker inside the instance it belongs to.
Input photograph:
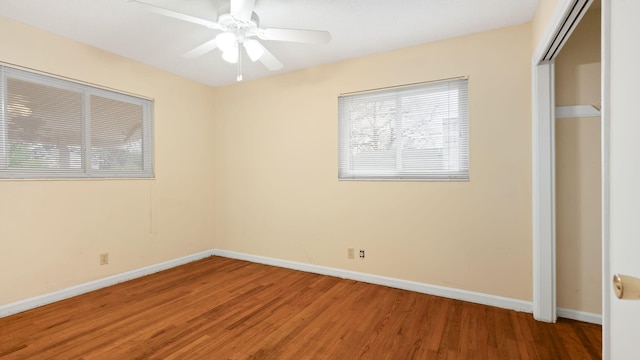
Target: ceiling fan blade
(270, 61)
(295, 35)
(176, 15)
(242, 9)
(202, 49)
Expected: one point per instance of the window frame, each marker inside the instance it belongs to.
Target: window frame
(345, 170)
(86, 91)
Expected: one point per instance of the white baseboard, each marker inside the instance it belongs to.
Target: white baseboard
(34, 302)
(469, 296)
(580, 316)
(464, 295)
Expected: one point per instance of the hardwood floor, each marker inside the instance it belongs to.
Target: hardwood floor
(220, 308)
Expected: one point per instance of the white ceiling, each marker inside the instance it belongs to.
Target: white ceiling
(358, 27)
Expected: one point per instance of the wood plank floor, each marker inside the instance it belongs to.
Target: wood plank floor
(220, 308)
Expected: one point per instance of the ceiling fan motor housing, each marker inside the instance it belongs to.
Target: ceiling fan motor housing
(241, 29)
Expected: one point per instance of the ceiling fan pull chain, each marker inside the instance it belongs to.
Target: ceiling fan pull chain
(239, 77)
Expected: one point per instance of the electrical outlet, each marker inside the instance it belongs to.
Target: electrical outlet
(350, 253)
(104, 258)
(361, 253)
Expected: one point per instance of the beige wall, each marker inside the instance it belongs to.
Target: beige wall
(578, 183)
(53, 231)
(253, 168)
(276, 181)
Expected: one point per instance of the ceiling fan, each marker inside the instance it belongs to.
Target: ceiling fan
(239, 29)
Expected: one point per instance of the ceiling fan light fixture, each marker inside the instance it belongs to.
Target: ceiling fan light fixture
(231, 55)
(226, 41)
(254, 49)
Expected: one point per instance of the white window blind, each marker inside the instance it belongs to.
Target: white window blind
(416, 132)
(52, 128)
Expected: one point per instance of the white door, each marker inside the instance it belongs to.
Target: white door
(621, 185)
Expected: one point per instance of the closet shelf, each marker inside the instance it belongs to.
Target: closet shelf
(574, 111)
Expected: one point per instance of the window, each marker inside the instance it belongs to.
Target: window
(54, 128)
(416, 132)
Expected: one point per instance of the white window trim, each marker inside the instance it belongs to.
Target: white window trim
(381, 175)
(87, 90)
